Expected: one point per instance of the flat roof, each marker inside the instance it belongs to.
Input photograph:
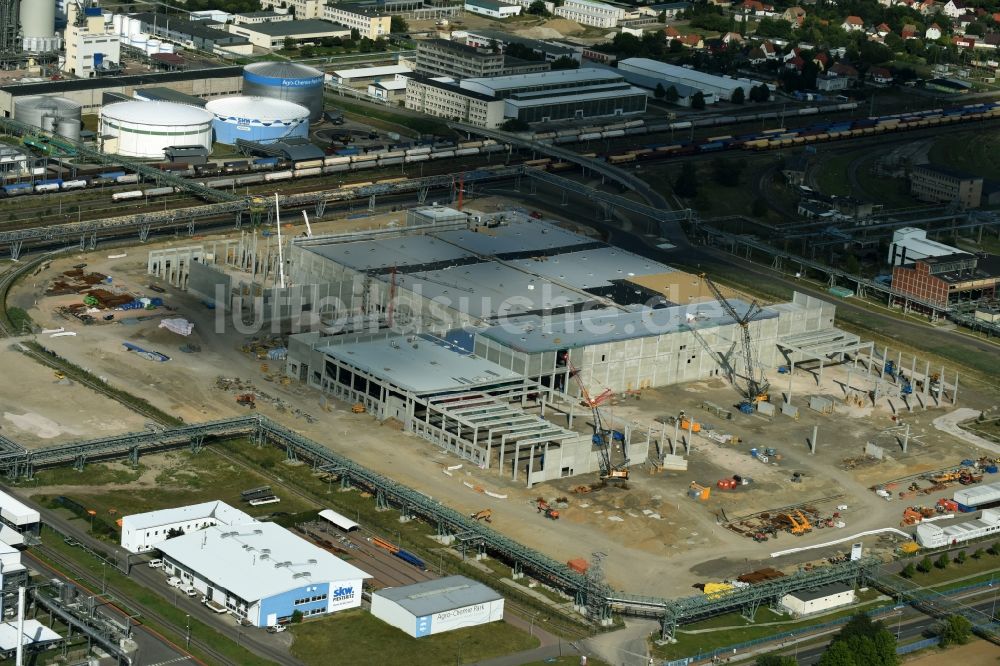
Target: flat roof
(675, 71)
(464, 49)
(16, 511)
(67, 85)
(514, 237)
(597, 267)
(508, 38)
(450, 86)
(492, 289)
(532, 334)
(579, 97)
(34, 633)
(183, 26)
(161, 94)
(385, 70)
(821, 592)
(290, 28)
(256, 560)
(553, 77)
(440, 595)
(384, 253)
(216, 509)
(947, 171)
(419, 364)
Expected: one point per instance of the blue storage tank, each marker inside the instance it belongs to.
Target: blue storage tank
(257, 119)
(286, 81)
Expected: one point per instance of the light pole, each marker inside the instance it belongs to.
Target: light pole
(187, 637)
(531, 625)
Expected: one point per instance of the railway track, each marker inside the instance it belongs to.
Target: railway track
(76, 574)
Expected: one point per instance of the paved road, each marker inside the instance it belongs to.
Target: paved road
(268, 646)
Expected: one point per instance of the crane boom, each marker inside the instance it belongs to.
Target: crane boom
(602, 436)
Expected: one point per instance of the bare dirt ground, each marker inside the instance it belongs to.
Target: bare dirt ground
(977, 652)
(39, 410)
(646, 531)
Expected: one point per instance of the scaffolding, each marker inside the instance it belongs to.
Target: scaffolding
(10, 27)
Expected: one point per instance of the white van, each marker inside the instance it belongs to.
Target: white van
(174, 581)
(156, 564)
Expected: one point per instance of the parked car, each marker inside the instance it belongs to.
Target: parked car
(156, 564)
(190, 591)
(174, 581)
(276, 629)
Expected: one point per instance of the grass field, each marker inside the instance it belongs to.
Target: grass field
(98, 572)
(385, 118)
(567, 661)
(975, 152)
(733, 629)
(831, 177)
(316, 641)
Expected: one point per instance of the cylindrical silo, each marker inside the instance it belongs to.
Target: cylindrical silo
(153, 46)
(287, 81)
(166, 47)
(38, 26)
(49, 123)
(138, 42)
(69, 128)
(116, 24)
(257, 119)
(31, 110)
(145, 129)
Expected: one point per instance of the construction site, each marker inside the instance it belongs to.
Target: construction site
(518, 370)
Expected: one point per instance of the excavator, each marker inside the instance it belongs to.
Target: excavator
(544, 507)
(603, 437)
(247, 400)
(485, 514)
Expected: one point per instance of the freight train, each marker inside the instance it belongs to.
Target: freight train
(810, 134)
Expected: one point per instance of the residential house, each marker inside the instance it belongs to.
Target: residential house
(770, 50)
(852, 23)
(908, 31)
(668, 10)
(828, 82)
(996, 17)
(756, 56)
(953, 8)
(928, 7)
(822, 60)
(844, 70)
(880, 76)
(692, 41)
(964, 41)
(882, 30)
(795, 15)
(753, 9)
(670, 32)
(933, 32)
(795, 63)
(732, 39)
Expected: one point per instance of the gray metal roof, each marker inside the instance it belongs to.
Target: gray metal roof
(597, 267)
(438, 596)
(532, 334)
(292, 28)
(491, 289)
(418, 364)
(283, 70)
(535, 235)
(820, 592)
(388, 252)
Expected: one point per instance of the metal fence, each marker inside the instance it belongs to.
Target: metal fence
(812, 628)
(919, 645)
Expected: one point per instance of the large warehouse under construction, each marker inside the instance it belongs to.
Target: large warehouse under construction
(475, 326)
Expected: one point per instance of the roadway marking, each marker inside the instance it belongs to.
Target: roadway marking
(172, 661)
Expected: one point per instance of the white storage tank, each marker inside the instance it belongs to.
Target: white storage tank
(153, 46)
(138, 42)
(145, 129)
(288, 81)
(38, 26)
(166, 47)
(257, 119)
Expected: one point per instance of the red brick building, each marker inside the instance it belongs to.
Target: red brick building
(948, 279)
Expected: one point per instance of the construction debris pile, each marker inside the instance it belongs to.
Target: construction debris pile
(247, 388)
(96, 298)
(794, 520)
(967, 473)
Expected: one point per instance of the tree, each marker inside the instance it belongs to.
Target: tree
(686, 184)
(960, 558)
(954, 630)
(839, 654)
(660, 92)
(909, 571)
(776, 660)
(738, 97)
(852, 265)
(925, 565)
(978, 554)
(538, 8)
(698, 101)
(307, 52)
(296, 616)
(355, 34)
(943, 561)
(994, 549)
(398, 24)
(672, 95)
(727, 172)
(515, 125)
(289, 44)
(565, 62)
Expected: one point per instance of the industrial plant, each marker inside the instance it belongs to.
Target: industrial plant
(594, 339)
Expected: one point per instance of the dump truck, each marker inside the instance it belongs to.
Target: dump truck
(485, 514)
(543, 507)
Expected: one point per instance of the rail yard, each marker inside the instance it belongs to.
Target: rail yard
(324, 379)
